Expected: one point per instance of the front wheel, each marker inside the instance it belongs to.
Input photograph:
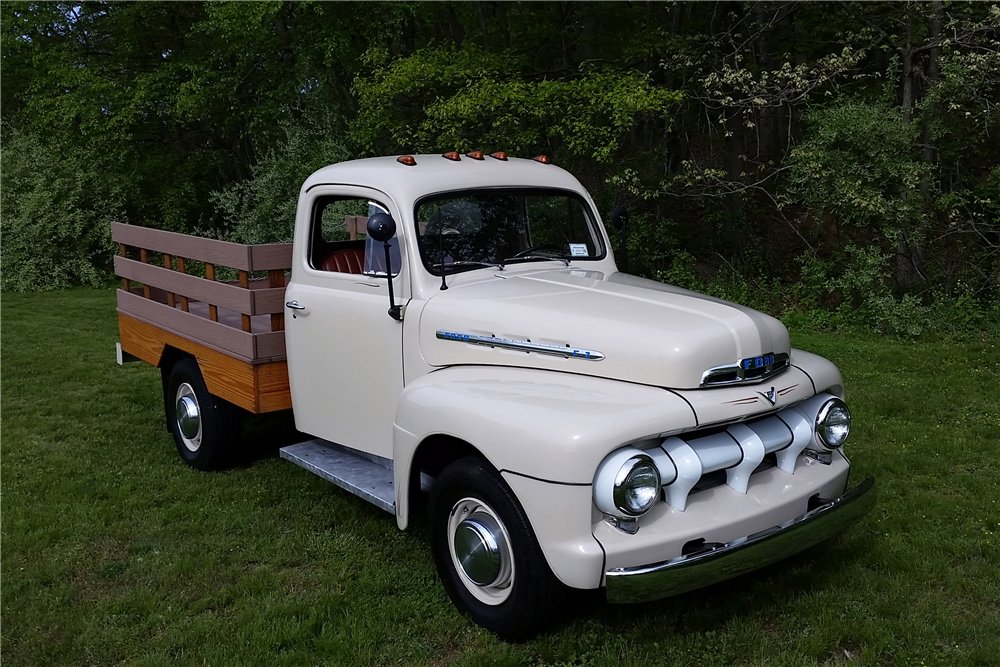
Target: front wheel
(206, 428)
(486, 553)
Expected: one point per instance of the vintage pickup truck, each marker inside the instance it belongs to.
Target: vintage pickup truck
(573, 425)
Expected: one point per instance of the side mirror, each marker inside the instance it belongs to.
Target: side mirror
(619, 217)
(381, 227)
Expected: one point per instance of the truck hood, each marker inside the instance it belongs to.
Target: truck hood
(608, 325)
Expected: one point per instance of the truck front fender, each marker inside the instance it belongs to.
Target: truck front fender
(546, 433)
(553, 427)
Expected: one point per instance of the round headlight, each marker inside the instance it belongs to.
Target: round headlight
(637, 486)
(833, 423)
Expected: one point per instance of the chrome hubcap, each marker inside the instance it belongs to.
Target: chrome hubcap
(480, 550)
(188, 417)
(477, 548)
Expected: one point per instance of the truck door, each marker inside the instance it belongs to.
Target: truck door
(344, 351)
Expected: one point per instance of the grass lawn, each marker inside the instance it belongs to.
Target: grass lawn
(113, 551)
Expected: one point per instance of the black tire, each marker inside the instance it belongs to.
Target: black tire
(514, 609)
(213, 446)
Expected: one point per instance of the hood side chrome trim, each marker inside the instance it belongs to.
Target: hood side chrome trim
(521, 346)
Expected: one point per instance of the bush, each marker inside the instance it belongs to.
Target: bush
(261, 209)
(56, 207)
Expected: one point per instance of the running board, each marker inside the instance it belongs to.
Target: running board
(362, 477)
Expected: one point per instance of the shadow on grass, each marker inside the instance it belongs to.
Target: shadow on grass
(810, 574)
(263, 435)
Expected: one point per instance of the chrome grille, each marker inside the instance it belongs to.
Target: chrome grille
(734, 452)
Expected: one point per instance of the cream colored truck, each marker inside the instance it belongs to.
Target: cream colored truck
(573, 425)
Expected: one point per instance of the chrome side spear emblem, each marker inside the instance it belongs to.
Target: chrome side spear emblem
(769, 395)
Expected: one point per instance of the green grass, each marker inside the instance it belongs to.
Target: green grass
(114, 552)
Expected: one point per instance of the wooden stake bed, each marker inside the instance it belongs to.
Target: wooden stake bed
(234, 329)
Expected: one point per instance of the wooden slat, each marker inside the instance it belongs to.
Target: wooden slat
(225, 339)
(210, 251)
(245, 284)
(355, 224)
(273, 391)
(221, 294)
(225, 377)
(168, 262)
(269, 345)
(213, 310)
(145, 342)
(245, 322)
(260, 388)
(185, 306)
(144, 259)
(276, 281)
(269, 301)
(270, 257)
(126, 285)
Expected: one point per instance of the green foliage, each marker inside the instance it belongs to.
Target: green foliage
(261, 209)
(740, 135)
(57, 209)
(858, 163)
(447, 99)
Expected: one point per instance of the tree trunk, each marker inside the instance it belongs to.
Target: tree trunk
(481, 11)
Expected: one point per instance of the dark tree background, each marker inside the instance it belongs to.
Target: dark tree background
(835, 163)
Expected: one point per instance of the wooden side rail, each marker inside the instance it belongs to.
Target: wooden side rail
(234, 297)
(200, 299)
(210, 251)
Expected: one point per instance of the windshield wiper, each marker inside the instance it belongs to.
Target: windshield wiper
(531, 254)
(445, 265)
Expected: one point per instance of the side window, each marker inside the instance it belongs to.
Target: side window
(339, 242)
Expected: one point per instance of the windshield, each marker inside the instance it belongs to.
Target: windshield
(473, 229)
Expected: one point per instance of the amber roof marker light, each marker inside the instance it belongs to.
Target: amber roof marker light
(407, 160)
(475, 155)
(452, 155)
(499, 155)
(544, 159)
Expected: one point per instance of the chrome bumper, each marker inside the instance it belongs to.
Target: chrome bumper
(679, 575)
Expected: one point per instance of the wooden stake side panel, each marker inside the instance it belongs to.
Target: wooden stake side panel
(248, 299)
(256, 388)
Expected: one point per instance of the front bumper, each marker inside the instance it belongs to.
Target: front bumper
(679, 575)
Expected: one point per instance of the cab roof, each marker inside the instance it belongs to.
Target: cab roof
(435, 173)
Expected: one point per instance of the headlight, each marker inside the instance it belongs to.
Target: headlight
(833, 423)
(627, 483)
(637, 486)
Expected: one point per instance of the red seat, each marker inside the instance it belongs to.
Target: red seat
(346, 260)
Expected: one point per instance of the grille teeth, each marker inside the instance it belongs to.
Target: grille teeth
(739, 450)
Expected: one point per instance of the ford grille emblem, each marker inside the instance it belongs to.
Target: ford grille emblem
(769, 395)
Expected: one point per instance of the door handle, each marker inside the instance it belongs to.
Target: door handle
(294, 305)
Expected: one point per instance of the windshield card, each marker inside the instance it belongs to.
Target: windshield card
(578, 249)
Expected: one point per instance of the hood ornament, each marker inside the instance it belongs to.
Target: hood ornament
(521, 345)
(770, 395)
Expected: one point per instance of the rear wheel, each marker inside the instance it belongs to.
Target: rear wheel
(486, 553)
(206, 428)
